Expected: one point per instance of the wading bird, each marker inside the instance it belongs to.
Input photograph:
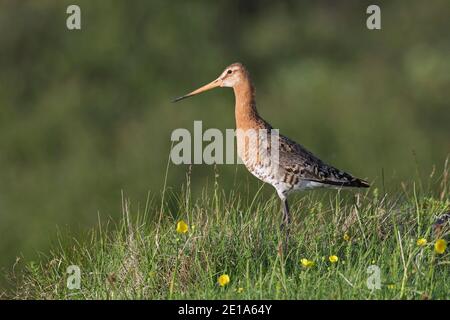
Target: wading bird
(293, 168)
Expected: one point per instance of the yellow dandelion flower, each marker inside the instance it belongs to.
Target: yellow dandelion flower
(346, 237)
(223, 280)
(333, 259)
(182, 227)
(440, 246)
(240, 290)
(307, 263)
(421, 242)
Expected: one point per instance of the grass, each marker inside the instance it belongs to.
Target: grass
(234, 233)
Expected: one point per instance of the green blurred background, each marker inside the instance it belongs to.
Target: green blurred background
(86, 114)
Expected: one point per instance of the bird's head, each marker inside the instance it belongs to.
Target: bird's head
(230, 77)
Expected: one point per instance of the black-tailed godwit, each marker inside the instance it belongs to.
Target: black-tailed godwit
(295, 168)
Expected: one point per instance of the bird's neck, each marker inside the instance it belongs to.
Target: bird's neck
(245, 110)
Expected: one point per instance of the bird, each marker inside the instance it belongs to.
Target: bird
(441, 223)
(294, 168)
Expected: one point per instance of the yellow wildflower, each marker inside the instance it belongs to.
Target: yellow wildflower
(421, 242)
(391, 286)
(240, 290)
(346, 237)
(223, 280)
(182, 227)
(333, 259)
(307, 263)
(440, 246)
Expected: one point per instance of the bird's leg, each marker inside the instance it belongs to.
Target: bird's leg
(286, 222)
(286, 215)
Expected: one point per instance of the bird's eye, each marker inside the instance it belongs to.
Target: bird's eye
(229, 71)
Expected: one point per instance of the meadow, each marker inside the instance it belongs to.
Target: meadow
(226, 244)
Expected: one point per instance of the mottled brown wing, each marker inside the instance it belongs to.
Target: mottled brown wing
(295, 159)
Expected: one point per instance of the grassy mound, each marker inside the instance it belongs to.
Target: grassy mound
(144, 257)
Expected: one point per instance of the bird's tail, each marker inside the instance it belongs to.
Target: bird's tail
(348, 183)
(359, 183)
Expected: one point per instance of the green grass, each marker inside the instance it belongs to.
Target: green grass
(234, 233)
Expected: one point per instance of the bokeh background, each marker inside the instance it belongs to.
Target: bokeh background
(87, 114)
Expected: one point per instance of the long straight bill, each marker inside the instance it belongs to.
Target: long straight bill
(209, 86)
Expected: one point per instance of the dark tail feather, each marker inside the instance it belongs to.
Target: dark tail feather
(359, 183)
(354, 183)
